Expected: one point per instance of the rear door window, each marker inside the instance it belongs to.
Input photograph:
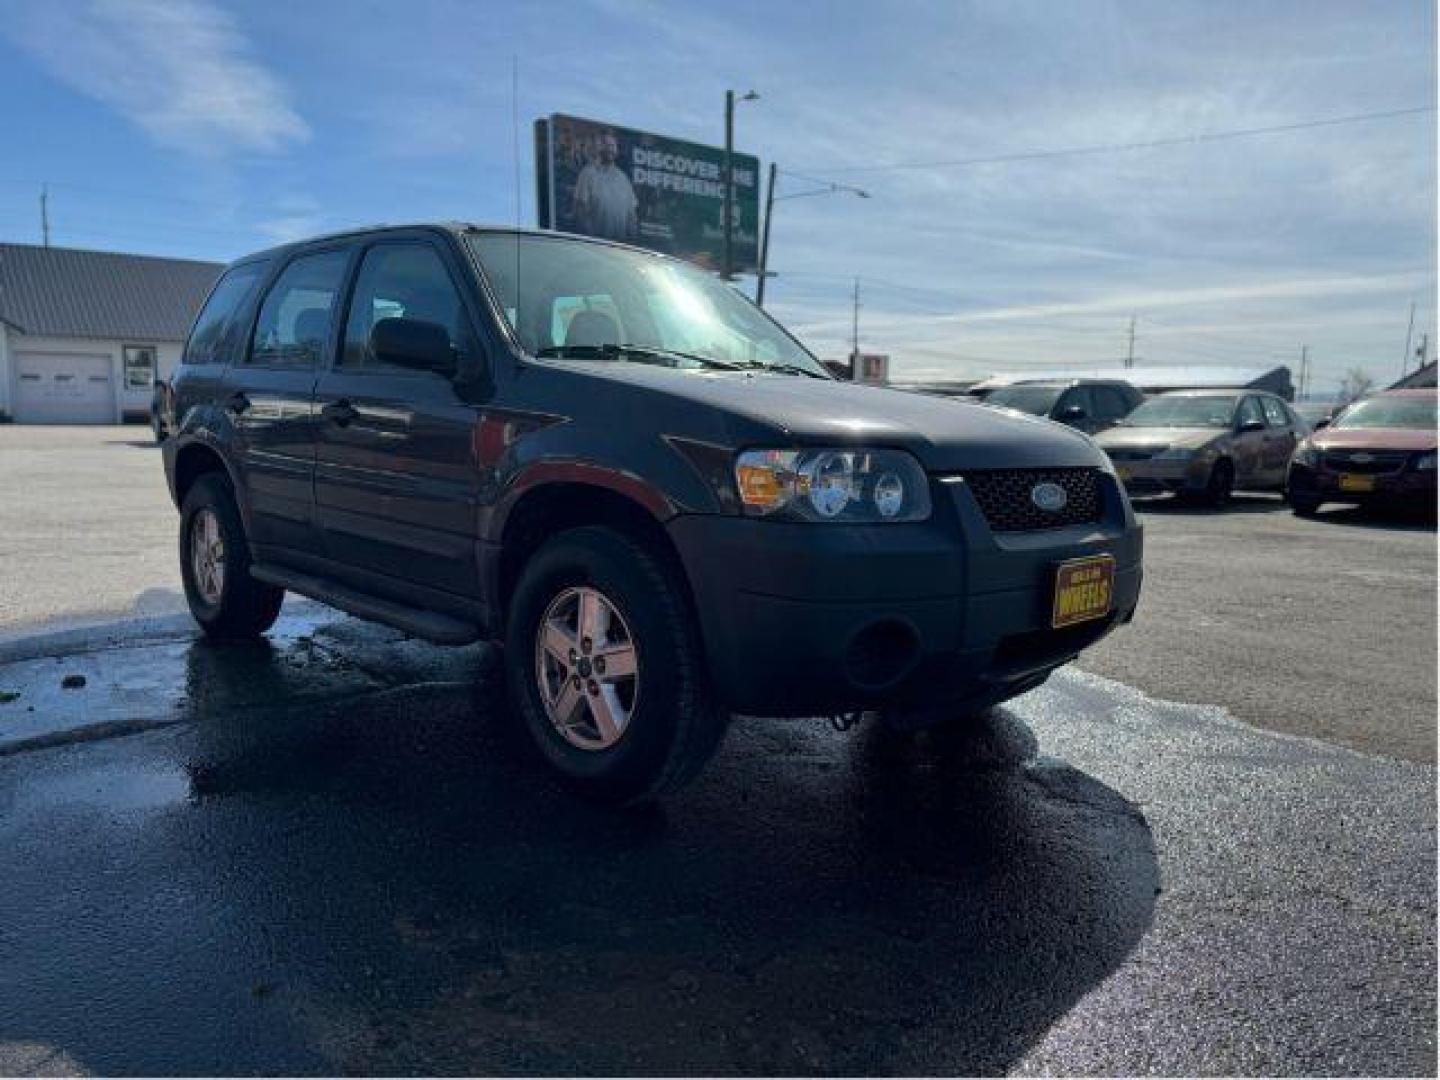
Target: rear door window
(221, 324)
(1077, 397)
(1110, 402)
(295, 320)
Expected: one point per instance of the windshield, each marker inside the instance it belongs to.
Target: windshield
(588, 301)
(1184, 412)
(1389, 412)
(1037, 400)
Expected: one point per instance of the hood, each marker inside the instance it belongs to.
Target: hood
(1127, 438)
(785, 410)
(1374, 438)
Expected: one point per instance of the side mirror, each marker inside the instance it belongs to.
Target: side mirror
(414, 344)
(1324, 421)
(1250, 425)
(1073, 412)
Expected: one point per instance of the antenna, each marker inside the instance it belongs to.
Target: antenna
(45, 217)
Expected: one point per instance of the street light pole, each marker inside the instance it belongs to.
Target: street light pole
(727, 258)
(827, 187)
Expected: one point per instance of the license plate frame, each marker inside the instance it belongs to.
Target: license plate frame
(1356, 482)
(1084, 590)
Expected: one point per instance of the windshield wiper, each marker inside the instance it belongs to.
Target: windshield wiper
(642, 353)
(786, 369)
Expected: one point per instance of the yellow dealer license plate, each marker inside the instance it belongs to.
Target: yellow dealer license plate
(1083, 590)
(1352, 482)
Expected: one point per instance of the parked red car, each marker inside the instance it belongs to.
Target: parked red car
(1378, 451)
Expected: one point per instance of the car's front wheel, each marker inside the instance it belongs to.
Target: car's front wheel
(605, 667)
(1219, 486)
(1303, 503)
(215, 565)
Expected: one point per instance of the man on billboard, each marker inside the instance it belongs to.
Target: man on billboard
(605, 202)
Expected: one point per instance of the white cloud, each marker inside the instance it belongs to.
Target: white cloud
(179, 69)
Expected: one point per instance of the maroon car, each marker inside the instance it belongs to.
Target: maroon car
(1378, 451)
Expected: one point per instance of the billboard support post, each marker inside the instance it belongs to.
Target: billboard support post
(765, 239)
(729, 181)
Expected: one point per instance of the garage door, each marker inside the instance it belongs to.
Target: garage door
(63, 388)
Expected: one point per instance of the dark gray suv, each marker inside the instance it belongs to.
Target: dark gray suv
(658, 502)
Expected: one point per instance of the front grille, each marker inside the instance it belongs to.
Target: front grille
(1366, 461)
(1004, 497)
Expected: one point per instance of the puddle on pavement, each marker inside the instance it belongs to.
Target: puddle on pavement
(123, 788)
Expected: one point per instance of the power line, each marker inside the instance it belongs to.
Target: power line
(1125, 147)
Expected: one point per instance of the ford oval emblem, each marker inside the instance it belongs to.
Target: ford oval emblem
(1049, 497)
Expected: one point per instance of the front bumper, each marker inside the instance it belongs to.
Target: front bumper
(809, 618)
(1153, 476)
(1408, 487)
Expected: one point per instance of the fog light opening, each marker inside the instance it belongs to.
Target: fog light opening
(881, 654)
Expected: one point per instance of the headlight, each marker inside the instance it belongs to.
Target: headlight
(832, 485)
(1426, 461)
(1306, 454)
(1176, 453)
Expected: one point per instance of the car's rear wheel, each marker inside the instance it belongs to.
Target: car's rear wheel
(605, 667)
(215, 565)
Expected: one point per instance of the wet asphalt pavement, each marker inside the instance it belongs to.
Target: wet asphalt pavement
(372, 878)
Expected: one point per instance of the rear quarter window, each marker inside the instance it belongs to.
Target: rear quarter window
(220, 328)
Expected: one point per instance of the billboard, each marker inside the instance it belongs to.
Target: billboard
(648, 190)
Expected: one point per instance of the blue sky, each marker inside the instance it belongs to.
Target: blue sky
(207, 129)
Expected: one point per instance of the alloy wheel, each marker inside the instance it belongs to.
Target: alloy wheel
(207, 556)
(587, 668)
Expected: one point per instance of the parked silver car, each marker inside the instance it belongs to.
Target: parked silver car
(1203, 444)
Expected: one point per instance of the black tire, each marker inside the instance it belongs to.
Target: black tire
(245, 608)
(676, 723)
(1302, 503)
(1220, 486)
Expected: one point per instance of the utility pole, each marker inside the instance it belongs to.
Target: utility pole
(1304, 369)
(855, 332)
(1409, 330)
(765, 238)
(1130, 349)
(1422, 351)
(45, 214)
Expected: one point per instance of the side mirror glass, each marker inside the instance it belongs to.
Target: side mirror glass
(413, 344)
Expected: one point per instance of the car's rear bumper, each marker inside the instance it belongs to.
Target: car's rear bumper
(1405, 488)
(801, 618)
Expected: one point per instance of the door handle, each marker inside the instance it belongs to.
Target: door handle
(339, 412)
(238, 402)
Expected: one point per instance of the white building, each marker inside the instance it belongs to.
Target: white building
(85, 334)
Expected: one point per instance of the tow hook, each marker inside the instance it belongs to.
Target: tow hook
(844, 721)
